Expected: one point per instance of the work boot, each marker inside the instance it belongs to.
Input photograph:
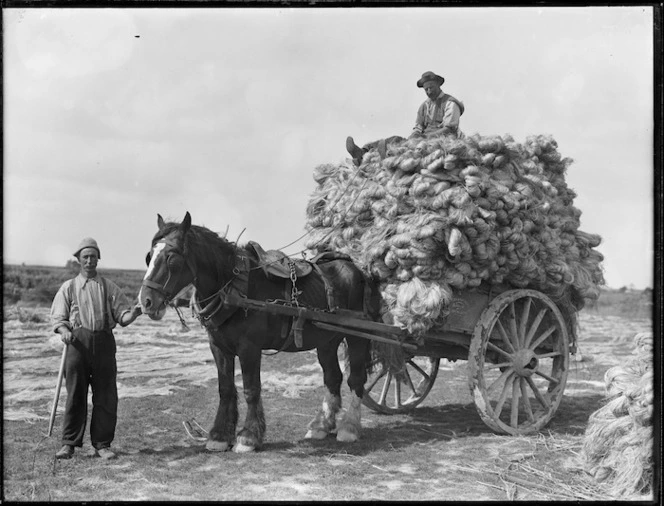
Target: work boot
(66, 452)
(356, 152)
(105, 453)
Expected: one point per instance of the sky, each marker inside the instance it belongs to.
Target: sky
(114, 115)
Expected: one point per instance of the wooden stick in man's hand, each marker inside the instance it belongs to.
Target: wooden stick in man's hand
(57, 390)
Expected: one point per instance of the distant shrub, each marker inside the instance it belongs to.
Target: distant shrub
(623, 302)
(29, 316)
(73, 267)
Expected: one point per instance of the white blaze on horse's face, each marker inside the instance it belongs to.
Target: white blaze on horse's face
(153, 260)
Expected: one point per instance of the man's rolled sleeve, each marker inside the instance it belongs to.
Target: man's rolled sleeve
(119, 303)
(452, 116)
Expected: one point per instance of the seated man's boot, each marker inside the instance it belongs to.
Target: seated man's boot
(382, 148)
(356, 152)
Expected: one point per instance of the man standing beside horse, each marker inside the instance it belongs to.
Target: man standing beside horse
(84, 312)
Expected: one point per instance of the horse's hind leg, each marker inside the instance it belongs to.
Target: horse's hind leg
(223, 431)
(325, 421)
(358, 356)
(250, 438)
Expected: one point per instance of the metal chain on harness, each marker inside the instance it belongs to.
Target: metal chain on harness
(293, 277)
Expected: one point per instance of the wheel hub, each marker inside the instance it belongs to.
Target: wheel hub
(525, 362)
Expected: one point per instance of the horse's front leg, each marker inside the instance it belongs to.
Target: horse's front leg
(325, 421)
(222, 434)
(250, 438)
(359, 355)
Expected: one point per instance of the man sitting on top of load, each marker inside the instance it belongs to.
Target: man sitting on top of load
(438, 115)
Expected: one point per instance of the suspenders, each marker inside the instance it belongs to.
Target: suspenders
(72, 298)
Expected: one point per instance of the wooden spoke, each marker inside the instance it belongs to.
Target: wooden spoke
(524, 320)
(504, 335)
(497, 366)
(397, 393)
(502, 377)
(547, 377)
(409, 380)
(534, 327)
(526, 401)
(375, 380)
(496, 348)
(550, 355)
(386, 387)
(512, 317)
(503, 396)
(514, 418)
(543, 337)
(418, 369)
(542, 400)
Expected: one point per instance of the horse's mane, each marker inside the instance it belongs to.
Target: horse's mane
(203, 245)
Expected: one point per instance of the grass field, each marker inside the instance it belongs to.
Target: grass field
(440, 451)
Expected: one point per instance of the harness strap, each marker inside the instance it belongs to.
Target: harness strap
(215, 313)
(329, 289)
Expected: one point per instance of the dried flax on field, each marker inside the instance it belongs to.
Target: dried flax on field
(522, 479)
(619, 439)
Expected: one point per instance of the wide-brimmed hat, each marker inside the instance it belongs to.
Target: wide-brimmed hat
(429, 76)
(88, 242)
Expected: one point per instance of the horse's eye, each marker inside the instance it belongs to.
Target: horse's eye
(148, 257)
(174, 260)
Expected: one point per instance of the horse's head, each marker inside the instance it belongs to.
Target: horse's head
(169, 268)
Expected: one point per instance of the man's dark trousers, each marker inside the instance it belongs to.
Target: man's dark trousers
(91, 361)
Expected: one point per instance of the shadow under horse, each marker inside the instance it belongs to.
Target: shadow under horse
(184, 254)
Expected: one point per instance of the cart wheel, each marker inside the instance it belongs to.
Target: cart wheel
(389, 392)
(518, 362)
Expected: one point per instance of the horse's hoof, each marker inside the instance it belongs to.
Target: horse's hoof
(216, 446)
(242, 448)
(315, 434)
(345, 436)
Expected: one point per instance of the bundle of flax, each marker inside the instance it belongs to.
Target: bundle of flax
(443, 214)
(618, 444)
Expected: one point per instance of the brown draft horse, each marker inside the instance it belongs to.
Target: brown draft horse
(184, 254)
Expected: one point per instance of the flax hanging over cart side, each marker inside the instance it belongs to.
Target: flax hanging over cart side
(442, 214)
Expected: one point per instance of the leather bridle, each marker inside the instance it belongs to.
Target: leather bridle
(166, 290)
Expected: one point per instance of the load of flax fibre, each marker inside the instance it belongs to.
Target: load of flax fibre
(618, 445)
(443, 214)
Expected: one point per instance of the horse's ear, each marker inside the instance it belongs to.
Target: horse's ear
(186, 223)
(160, 222)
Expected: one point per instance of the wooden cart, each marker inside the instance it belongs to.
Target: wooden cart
(517, 343)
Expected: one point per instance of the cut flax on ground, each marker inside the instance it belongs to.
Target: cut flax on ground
(618, 445)
(443, 214)
(540, 470)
